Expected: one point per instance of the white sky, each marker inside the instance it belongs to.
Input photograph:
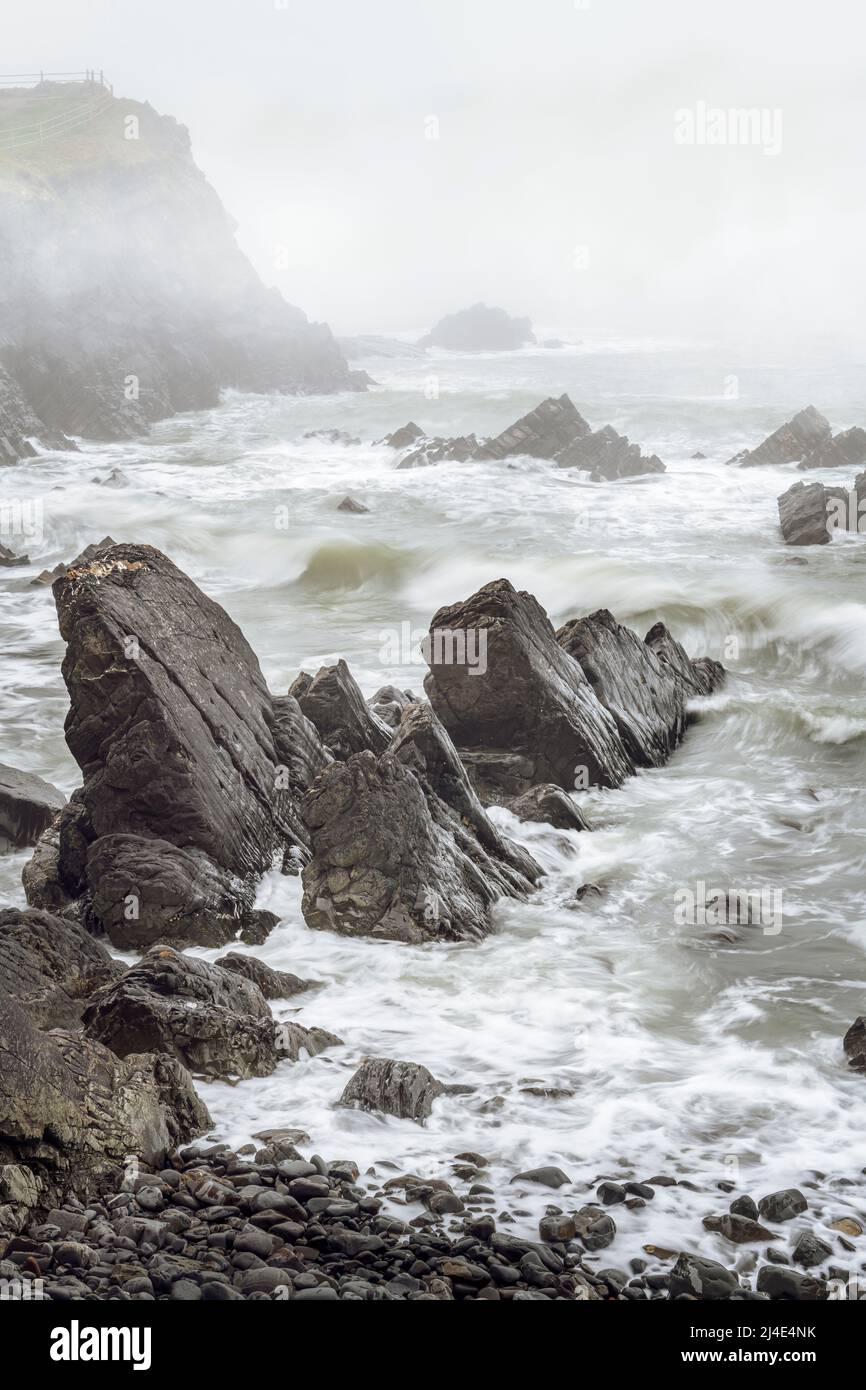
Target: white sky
(556, 131)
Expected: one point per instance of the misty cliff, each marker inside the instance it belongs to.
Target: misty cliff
(124, 296)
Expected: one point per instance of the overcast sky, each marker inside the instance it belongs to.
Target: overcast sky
(556, 187)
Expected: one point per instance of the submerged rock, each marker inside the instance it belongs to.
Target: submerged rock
(214, 1021)
(351, 504)
(404, 1089)
(437, 449)
(28, 805)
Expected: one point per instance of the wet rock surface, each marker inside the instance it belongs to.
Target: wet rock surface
(28, 805)
(51, 965)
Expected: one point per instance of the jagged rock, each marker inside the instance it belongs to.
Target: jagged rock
(381, 865)
(28, 805)
(596, 1228)
(172, 725)
(810, 1250)
(810, 513)
(544, 433)
(301, 756)
(701, 1278)
(89, 553)
(403, 437)
(481, 328)
(293, 1039)
(440, 450)
(351, 504)
(606, 455)
(549, 805)
(72, 1112)
(333, 703)
(332, 436)
(19, 426)
(389, 703)
(643, 693)
(214, 1021)
(404, 1089)
(783, 1205)
(51, 966)
(274, 984)
(854, 1044)
(791, 442)
(845, 450)
(8, 558)
(526, 714)
(700, 676)
(422, 744)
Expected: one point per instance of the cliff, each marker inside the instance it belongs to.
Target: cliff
(124, 296)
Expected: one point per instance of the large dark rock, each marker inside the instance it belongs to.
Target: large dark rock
(549, 805)
(605, 455)
(214, 1021)
(854, 1044)
(788, 1285)
(846, 449)
(553, 426)
(522, 712)
(701, 1278)
(28, 805)
(700, 676)
(481, 328)
(51, 965)
(381, 864)
(404, 1089)
(274, 984)
(333, 703)
(792, 442)
(810, 513)
(643, 692)
(173, 728)
(72, 1113)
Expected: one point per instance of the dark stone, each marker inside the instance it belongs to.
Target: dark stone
(51, 965)
(428, 451)
(333, 703)
(607, 455)
(351, 504)
(404, 437)
(810, 1250)
(700, 676)
(594, 1227)
(783, 1205)
(404, 1089)
(745, 1206)
(609, 1193)
(781, 1282)
(792, 442)
(702, 1279)
(389, 703)
(481, 328)
(808, 511)
(28, 805)
(549, 805)
(544, 433)
(740, 1230)
(544, 1177)
(854, 1043)
(274, 984)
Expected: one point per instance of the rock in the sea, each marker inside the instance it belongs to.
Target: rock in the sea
(351, 504)
(519, 709)
(810, 1250)
(333, 703)
(274, 984)
(171, 724)
(28, 805)
(553, 426)
(404, 1089)
(783, 1205)
(214, 1021)
(436, 449)
(780, 1282)
(605, 455)
(854, 1044)
(845, 450)
(544, 1177)
(9, 560)
(701, 1278)
(481, 328)
(405, 436)
(549, 805)
(51, 965)
(389, 703)
(811, 513)
(792, 442)
(294, 1038)
(699, 676)
(740, 1230)
(72, 1112)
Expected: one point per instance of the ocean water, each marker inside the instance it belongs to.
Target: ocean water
(672, 1048)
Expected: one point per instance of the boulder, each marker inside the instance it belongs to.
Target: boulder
(847, 449)
(700, 676)
(854, 1044)
(274, 984)
(810, 513)
(171, 724)
(783, 1205)
(404, 1089)
(792, 442)
(381, 864)
(481, 328)
(9, 560)
(810, 1250)
(548, 805)
(606, 455)
(51, 966)
(543, 433)
(73, 1113)
(525, 714)
(427, 451)
(28, 805)
(740, 1230)
(403, 437)
(333, 703)
(301, 756)
(293, 1038)
(389, 703)
(780, 1282)
(701, 1279)
(351, 504)
(214, 1021)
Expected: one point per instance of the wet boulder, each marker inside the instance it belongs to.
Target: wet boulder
(854, 1044)
(607, 455)
(701, 1278)
(404, 1089)
(792, 442)
(699, 676)
(389, 703)
(274, 984)
(436, 449)
(333, 703)
(214, 1021)
(28, 805)
(519, 709)
(404, 437)
(810, 513)
(549, 805)
(51, 965)
(847, 449)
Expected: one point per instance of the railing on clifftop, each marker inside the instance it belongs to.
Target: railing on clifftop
(84, 94)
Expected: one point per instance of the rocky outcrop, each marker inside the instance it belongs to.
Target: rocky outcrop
(699, 676)
(214, 1021)
(808, 440)
(643, 692)
(404, 437)
(527, 714)
(606, 455)
(333, 703)
(389, 702)
(404, 1089)
(51, 966)
(854, 1044)
(72, 1113)
(427, 451)
(548, 805)
(184, 801)
(548, 430)
(479, 329)
(152, 308)
(811, 513)
(28, 805)
(274, 984)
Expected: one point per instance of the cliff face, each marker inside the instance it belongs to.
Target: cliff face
(123, 294)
